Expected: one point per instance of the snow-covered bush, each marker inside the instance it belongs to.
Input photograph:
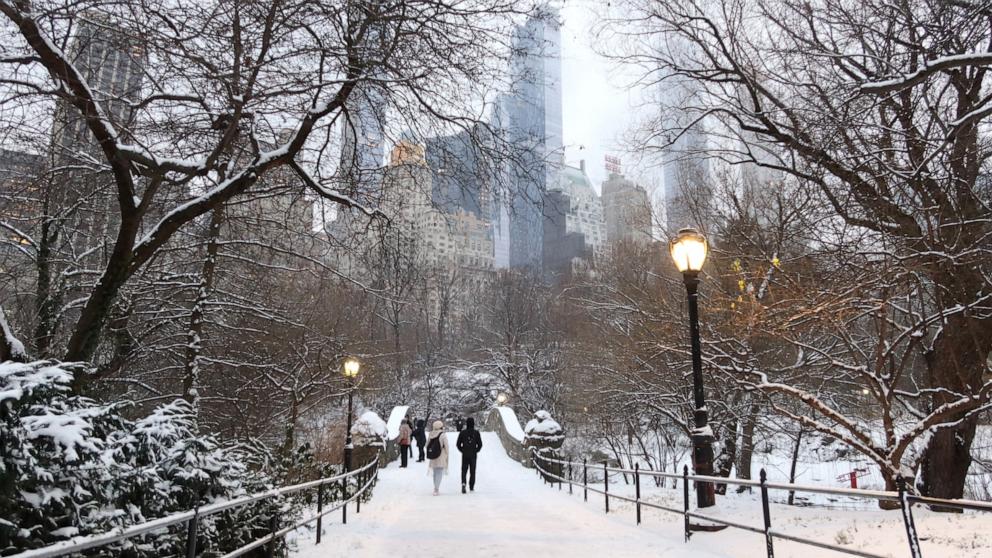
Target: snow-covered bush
(72, 466)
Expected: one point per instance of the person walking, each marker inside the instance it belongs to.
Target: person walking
(421, 437)
(469, 444)
(437, 453)
(405, 433)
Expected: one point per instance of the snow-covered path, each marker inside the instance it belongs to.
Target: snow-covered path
(511, 513)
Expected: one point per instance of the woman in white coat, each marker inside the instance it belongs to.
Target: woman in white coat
(438, 464)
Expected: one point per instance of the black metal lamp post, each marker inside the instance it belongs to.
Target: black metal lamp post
(689, 249)
(351, 367)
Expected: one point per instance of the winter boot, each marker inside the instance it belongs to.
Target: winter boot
(463, 489)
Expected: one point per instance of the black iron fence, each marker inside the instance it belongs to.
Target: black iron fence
(366, 476)
(576, 473)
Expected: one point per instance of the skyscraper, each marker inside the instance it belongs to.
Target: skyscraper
(459, 178)
(111, 63)
(626, 210)
(85, 203)
(534, 127)
(686, 167)
(363, 132)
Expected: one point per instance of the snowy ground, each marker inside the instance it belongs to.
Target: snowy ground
(512, 513)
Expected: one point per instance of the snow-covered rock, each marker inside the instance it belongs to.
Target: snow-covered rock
(369, 430)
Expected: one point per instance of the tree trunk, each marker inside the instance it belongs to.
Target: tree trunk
(47, 302)
(956, 363)
(724, 462)
(795, 459)
(746, 450)
(194, 337)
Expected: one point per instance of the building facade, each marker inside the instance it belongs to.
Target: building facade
(626, 210)
(533, 125)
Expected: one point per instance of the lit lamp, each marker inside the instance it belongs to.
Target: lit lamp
(689, 250)
(501, 399)
(351, 368)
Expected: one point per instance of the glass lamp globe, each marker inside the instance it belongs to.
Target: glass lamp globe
(688, 250)
(351, 367)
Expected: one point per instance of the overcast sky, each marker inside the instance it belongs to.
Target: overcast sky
(597, 108)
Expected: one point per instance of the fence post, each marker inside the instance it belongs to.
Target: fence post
(570, 477)
(320, 508)
(907, 518)
(606, 485)
(360, 493)
(191, 534)
(685, 492)
(561, 473)
(585, 481)
(344, 500)
(273, 525)
(637, 490)
(768, 516)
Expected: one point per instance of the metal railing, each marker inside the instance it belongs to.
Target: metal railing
(366, 477)
(553, 469)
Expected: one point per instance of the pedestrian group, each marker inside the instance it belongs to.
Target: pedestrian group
(435, 448)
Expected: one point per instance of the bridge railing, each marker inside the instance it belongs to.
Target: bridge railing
(565, 471)
(366, 476)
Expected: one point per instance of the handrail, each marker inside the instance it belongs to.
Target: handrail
(282, 532)
(965, 504)
(904, 498)
(124, 533)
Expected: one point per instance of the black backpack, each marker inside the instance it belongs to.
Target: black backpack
(434, 447)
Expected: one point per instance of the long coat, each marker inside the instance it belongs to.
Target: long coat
(441, 460)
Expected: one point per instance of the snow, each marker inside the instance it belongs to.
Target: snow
(16, 347)
(510, 423)
(396, 417)
(511, 513)
(369, 424)
(542, 424)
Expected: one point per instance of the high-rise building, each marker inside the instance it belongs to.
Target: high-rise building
(363, 128)
(533, 125)
(112, 65)
(585, 208)
(459, 175)
(626, 210)
(686, 173)
(686, 170)
(85, 203)
(20, 190)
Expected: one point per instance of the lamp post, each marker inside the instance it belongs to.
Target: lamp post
(351, 367)
(689, 249)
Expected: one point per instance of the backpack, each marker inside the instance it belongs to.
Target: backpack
(434, 448)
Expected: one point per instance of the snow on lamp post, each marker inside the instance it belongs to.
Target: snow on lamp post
(351, 368)
(689, 250)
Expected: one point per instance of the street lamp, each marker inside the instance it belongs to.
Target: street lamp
(689, 249)
(501, 399)
(351, 368)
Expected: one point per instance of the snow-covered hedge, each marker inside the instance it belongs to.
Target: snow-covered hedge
(72, 466)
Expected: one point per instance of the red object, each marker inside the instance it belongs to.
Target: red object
(854, 479)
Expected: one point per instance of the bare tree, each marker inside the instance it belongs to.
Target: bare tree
(881, 108)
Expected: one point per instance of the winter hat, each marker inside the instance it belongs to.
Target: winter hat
(470, 422)
(438, 425)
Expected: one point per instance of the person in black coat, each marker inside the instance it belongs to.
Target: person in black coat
(421, 438)
(469, 444)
